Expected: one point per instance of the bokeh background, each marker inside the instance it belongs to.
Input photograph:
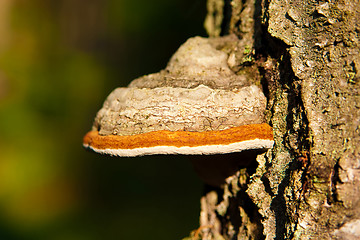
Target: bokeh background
(59, 59)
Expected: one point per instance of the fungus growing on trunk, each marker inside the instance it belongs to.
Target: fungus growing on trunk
(196, 106)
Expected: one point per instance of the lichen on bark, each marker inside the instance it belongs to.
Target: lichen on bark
(322, 40)
(307, 186)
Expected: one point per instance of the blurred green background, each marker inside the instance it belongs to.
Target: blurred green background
(59, 59)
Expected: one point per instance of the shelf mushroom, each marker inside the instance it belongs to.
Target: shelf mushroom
(196, 106)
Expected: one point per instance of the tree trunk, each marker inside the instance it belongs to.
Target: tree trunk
(307, 186)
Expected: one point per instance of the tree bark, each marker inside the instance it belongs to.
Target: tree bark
(307, 187)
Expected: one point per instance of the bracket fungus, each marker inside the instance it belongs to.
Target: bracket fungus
(196, 105)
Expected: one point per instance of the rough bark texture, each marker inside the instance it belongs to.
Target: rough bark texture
(307, 186)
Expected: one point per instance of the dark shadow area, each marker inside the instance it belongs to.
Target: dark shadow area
(214, 169)
(227, 12)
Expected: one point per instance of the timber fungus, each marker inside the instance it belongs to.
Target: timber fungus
(196, 106)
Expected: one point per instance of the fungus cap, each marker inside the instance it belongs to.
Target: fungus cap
(197, 105)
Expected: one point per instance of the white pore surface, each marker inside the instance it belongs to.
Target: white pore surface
(198, 150)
